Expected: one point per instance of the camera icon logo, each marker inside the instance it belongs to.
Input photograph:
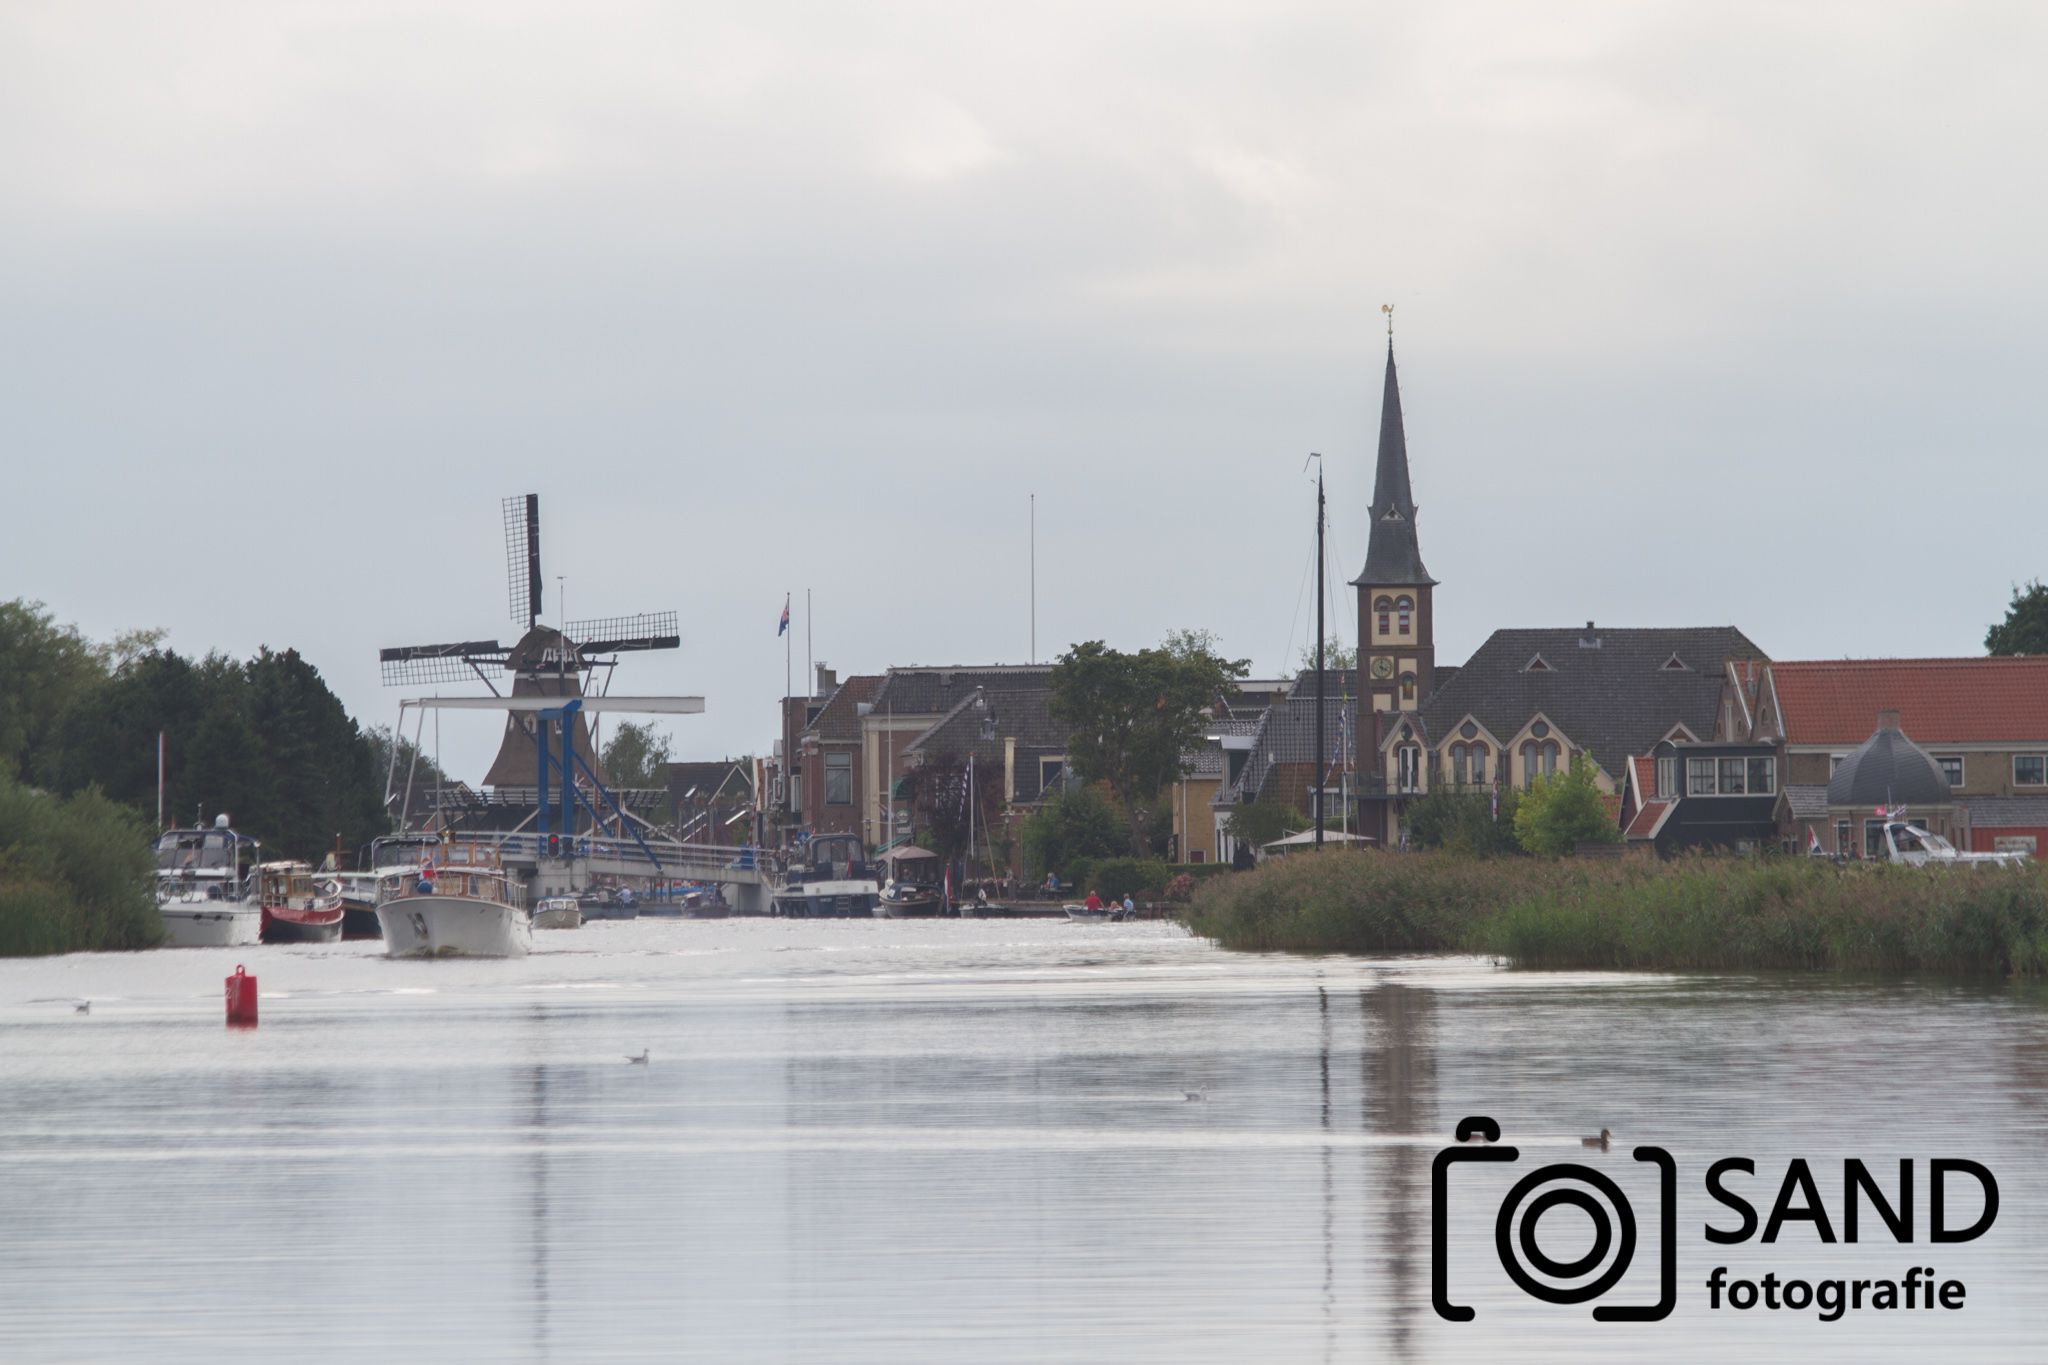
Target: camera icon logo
(1571, 1185)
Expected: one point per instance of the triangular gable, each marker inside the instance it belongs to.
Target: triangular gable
(1538, 664)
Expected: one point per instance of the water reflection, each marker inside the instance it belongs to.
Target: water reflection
(1399, 1102)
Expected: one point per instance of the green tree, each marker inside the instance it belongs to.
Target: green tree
(1259, 823)
(1464, 822)
(45, 669)
(1073, 825)
(315, 765)
(1337, 658)
(1132, 718)
(2025, 627)
(636, 756)
(1560, 812)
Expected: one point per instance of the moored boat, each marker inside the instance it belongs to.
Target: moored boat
(826, 878)
(295, 909)
(558, 912)
(202, 894)
(358, 904)
(459, 906)
(911, 890)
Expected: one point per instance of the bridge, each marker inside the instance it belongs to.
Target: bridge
(648, 856)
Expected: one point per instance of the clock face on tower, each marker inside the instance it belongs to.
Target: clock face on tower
(1383, 668)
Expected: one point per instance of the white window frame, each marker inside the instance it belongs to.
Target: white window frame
(1667, 790)
(2042, 759)
(1942, 760)
(1408, 767)
(1712, 788)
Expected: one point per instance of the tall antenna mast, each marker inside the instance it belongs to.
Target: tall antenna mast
(1034, 578)
(1322, 768)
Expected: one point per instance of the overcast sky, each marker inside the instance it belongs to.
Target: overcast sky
(1707, 314)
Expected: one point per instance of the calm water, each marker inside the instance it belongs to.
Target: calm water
(945, 1142)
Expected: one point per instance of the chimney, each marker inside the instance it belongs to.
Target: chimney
(1888, 719)
(827, 681)
(1589, 640)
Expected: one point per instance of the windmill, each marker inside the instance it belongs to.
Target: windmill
(542, 662)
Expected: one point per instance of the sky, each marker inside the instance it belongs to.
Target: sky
(1706, 314)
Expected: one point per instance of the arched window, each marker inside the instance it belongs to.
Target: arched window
(1550, 758)
(1532, 758)
(1385, 606)
(1479, 765)
(1458, 775)
(1409, 769)
(1407, 687)
(1405, 605)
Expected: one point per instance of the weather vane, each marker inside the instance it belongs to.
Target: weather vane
(1388, 309)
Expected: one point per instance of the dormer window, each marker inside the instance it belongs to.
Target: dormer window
(1405, 606)
(1536, 665)
(1674, 664)
(1385, 607)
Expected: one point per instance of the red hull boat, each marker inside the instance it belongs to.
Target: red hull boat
(295, 908)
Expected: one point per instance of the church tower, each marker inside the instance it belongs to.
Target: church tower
(1396, 626)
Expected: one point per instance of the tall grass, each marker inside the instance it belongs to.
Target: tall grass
(76, 874)
(1695, 913)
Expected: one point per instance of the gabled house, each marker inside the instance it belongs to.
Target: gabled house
(829, 754)
(1527, 701)
(1983, 721)
(910, 702)
(1684, 795)
(1280, 762)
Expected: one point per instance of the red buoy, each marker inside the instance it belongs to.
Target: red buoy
(241, 999)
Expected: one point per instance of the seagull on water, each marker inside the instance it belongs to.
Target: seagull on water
(641, 1060)
(82, 1007)
(1194, 1095)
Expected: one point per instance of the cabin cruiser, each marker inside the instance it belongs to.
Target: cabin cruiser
(1915, 847)
(826, 877)
(202, 892)
(295, 908)
(460, 904)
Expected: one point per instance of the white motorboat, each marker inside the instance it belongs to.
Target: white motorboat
(826, 878)
(1914, 846)
(558, 912)
(459, 906)
(201, 893)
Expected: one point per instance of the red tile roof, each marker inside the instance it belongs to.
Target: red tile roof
(1646, 776)
(1647, 819)
(1939, 701)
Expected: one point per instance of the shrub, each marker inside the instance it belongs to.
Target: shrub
(75, 874)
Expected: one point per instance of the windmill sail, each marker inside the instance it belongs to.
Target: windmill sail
(522, 557)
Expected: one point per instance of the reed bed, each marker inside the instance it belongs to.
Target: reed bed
(76, 874)
(1690, 914)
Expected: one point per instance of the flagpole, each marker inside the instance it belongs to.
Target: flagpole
(810, 669)
(788, 739)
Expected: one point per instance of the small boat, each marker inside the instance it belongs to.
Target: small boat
(295, 909)
(1108, 914)
(358, 904)
(558, 912)
(706, 900)
(201, 891)
(604, 903)
(460, 906)
(1912, 846)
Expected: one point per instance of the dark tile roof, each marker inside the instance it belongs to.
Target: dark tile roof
(1615, 700)
(839, 719)
(935, 691)
(1019, 715)
(1807, 802)
(1286, 736)
(1207, 762)
(730, 778)
(1888, 770)
(2007, 812)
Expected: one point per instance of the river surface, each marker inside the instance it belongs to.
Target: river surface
(972, 1141)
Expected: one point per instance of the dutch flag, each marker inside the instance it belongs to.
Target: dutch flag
(784, 625)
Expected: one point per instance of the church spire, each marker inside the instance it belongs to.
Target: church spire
(1392, 555)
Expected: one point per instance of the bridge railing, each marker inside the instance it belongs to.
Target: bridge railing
(668, 854)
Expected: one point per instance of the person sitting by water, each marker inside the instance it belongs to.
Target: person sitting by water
(1094, 901)
(1130, 908)
(1052, 883)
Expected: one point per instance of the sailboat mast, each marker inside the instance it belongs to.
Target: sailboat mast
(1322, 755)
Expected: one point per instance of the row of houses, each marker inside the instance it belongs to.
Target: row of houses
(1697, 737)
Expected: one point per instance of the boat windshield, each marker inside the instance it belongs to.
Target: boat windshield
(836, 856)
(402, 850)
(195, 850)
